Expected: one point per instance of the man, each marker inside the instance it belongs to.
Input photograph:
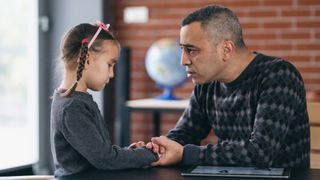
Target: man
(254, 103)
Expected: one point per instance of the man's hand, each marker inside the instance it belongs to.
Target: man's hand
(170, 152)
(155, 148)
(137, 145)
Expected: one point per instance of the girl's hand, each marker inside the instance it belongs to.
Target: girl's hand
(155, 148)
(137, 145)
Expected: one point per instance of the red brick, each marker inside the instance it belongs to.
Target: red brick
(297, 58)
(139, 116)
(138, 66)
(295, 12)
(278, 3)
(249, 25)
(317, 58)
(161, 4)
(191, 3)
(277, 24)
(146, 126)
(262, 13)
(254, 47)
(309, 69)
(295, 35)
(150, 36)
(137, 94)
(309, 46)
(184, 91)
(150, 87)
(243, 3)
(240, 14)
(144, 80)
(277, 47)
(308, 2)
(173, 14)
(150, 26)
(309, 24)
(260, 35)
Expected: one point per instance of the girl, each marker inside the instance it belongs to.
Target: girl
(79, 133)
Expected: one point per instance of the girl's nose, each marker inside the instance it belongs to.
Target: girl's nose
(111, 74)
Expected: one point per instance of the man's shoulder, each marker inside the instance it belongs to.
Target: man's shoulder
(267, 61)
(271, 64)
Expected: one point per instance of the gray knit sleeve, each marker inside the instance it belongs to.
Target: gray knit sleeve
(192, 126)
(79, 128)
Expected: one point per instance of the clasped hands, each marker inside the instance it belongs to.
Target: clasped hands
(169, 151)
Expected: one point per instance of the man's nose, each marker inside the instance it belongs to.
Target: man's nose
(185, 61)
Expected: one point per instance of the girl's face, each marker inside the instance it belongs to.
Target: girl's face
(100, 67)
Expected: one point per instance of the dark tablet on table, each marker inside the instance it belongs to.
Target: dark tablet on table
(221, 171)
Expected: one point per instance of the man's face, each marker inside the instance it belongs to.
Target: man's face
(202, 60)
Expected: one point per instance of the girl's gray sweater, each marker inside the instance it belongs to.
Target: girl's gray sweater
(80, 140)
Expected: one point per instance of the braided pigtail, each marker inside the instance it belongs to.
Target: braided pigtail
(82, 60)
(75, 47)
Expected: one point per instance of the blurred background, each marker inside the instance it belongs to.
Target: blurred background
(30, 35)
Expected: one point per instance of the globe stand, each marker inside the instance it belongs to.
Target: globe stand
(167, 95)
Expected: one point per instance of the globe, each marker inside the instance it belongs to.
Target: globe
(163, 66)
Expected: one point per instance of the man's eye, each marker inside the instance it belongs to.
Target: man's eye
(191, 52)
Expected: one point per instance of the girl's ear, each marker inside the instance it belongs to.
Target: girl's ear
(88, 60)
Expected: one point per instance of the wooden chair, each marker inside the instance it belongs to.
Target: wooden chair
(314, 118)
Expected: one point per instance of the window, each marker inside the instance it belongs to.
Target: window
(18, 83)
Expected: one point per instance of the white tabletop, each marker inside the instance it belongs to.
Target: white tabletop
(158, 104)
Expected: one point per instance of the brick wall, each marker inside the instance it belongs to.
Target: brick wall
(285, 28)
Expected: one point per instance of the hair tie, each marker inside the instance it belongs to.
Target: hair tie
(84, 40)
(101, 26)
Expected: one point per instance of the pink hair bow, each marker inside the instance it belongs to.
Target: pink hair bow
(101, 26)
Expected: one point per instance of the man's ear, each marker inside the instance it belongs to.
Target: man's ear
(228, 48)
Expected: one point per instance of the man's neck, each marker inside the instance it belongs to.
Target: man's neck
(238, 64)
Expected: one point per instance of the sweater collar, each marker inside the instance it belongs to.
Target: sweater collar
(246, 72)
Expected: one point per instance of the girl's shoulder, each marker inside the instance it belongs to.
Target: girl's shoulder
(77, 100)
(73, 109)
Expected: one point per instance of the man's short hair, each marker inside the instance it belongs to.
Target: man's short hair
(219, 23)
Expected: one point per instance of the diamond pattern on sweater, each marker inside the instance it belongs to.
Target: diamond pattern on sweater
(260, 118)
